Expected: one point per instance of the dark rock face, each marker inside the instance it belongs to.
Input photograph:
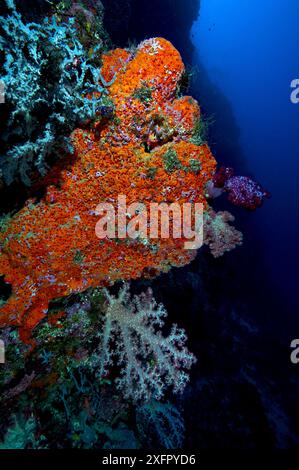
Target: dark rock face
(135, 20)
(165, 18)
(31, 10)
(117, 19)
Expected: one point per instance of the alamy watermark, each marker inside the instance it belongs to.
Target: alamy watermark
(295, 91)
(137, 221)
(295, 353)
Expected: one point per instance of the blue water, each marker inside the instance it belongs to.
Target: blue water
(249, 51)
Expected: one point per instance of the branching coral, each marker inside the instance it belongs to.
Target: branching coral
(94, 365)
(83, 417)
(162, 421)
(116, 337)
(47, 73)
(149, 361)
(219, 234)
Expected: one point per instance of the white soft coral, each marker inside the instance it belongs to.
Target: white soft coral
(150, 362)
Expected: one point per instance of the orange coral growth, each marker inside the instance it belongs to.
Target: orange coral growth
(113, 62)
(145, 96)
(158, 63)
(49, 249)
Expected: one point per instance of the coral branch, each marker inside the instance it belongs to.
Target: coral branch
(150, 362)
(219, 234)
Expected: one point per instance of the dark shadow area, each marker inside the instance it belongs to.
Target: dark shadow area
(116, 20)
(264, 303)
(5, 290)
(224, 132)
(31, 10)
(135, 20)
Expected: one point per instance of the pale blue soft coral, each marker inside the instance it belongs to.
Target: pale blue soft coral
(131, 336)
(47, 74)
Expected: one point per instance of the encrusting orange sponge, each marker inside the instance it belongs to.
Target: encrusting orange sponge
(49, 248)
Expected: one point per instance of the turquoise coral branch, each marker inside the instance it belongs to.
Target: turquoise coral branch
(47, 75)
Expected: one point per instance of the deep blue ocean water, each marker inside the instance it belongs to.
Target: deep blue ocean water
(246, 52)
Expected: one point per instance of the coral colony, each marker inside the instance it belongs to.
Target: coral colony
(81, 352)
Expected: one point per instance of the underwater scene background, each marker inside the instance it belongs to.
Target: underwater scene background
(140, 343)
